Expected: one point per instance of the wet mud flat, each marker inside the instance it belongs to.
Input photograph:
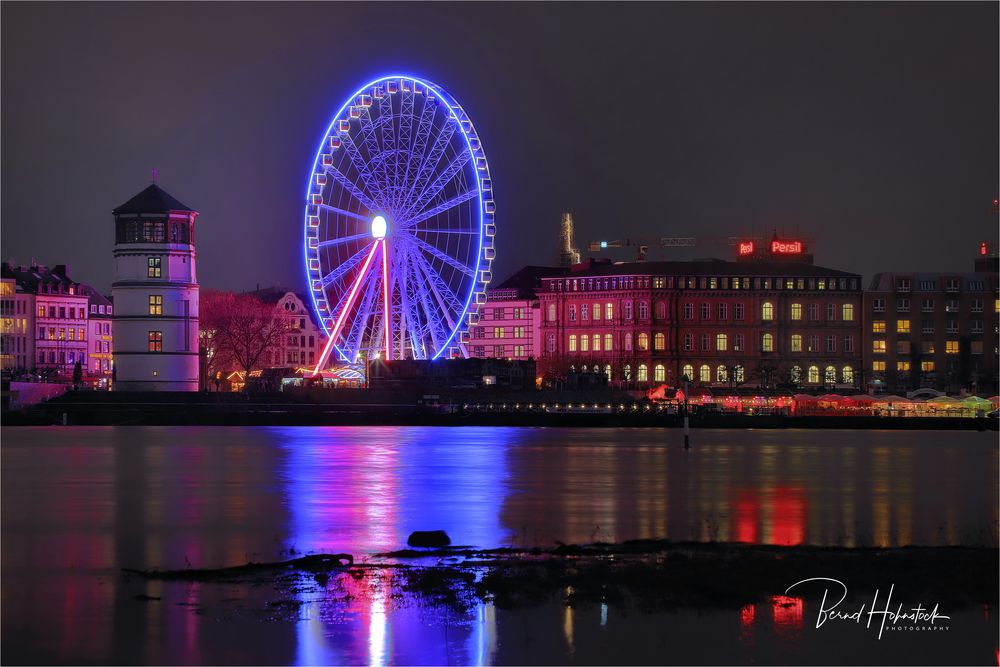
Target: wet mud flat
(642, 575)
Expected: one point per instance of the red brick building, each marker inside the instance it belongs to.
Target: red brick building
(725, 324)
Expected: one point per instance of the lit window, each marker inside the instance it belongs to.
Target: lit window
(643, 341)
(878, 366)
(830, 376)
(153, 267)
(813, 377)
(688, 372)
(659, 341)
(951, 347)
(847, 313)
(721, 374)
(767, 311)
(767, 343)
(155, 304)
(597, 343)
(705, 374)
(597, 311)
(607, 342)
(721, 342)
(796, 311)
(659, 373)
(572, 342)
(796, 343)
(927, 366)
(155, 341)
(609, 311)
(552, 312)
(847, 375)
(643, 374)
(585, 343)
(878, 346)
(903, 326)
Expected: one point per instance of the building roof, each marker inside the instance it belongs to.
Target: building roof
(528, 279)
(40, 279)
(886, 281)
(273, 295)
(151, 200)
(96, 298)
(712, 267)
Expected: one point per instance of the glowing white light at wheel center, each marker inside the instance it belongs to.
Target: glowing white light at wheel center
(379, 227)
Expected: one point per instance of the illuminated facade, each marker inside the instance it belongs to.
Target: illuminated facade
(936, 330)
(17, 324)
(155, 294)
(101, 342)
(719, 323)
(57, 322)
(303, 343)
(510, 321)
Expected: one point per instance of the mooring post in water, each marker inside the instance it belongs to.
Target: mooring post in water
(65, 420)
(687, 426)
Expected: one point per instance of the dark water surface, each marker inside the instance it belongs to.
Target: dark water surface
(79, 503)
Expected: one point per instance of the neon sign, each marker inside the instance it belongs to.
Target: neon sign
(786, 247)
(746, 248)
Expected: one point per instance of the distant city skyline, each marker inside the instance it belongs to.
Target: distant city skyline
(870, 128)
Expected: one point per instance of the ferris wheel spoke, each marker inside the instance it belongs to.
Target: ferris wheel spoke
(444, 257)
(433, 324)
(349, 214)
(353, 189)
(368, 135)
(345, 267)
(403, 139)
(441, 208)
(355, 335)
(420, 139)
(371, 185)
(449, 300)
(427, 196)
(431, 159)
(345, 239)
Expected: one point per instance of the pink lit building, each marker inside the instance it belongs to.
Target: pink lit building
(509, 325)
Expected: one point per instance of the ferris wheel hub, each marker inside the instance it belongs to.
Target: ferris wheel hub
(379, 227)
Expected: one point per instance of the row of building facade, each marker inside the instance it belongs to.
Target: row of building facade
(763, 323)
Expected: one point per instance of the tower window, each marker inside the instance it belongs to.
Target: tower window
(156, 341)
(155, 304)
(153, 267)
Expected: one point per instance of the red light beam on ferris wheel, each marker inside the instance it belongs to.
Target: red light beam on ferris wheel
(385, 300)
(347, 306)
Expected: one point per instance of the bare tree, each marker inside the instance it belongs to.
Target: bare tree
(238, 330)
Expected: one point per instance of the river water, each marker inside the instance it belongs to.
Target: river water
(79, 503)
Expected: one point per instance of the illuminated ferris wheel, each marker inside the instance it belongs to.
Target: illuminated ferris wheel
(399, 224)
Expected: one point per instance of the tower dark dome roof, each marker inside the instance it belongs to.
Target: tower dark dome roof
(151, 200)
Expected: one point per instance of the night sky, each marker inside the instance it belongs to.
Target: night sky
(872, 128)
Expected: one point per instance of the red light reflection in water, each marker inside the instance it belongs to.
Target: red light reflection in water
(788, 512)
(787, 613)
(746, 515)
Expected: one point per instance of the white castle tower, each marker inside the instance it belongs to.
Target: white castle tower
(155, 295)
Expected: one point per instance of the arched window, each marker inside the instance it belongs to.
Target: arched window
(721, 374)
(572, 342)
(705, 374)
(643, 374)
(797, 374)
(659, 373)
(661, 310)
(628, 341)
(721, 342)
(607, 371)
(643, 341)
(739, 374)
(813, 375)
(627, 372)
(688, 372)
(552, 312)
(597, 343)
(659, 341)
(847, 375)
(830, 375)
(767, 311)
(767, 343)
(607, 342)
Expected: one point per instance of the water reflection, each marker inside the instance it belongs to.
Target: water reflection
(78, 504)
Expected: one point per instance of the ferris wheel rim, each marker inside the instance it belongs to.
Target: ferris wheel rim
(479, 273)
